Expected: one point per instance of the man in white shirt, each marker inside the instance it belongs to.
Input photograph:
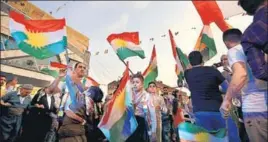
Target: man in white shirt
(253, 90)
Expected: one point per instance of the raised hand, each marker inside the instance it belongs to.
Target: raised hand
(62, 73)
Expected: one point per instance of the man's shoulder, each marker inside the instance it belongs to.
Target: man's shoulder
(235, 50)
(255, 33)
(28, 97)
(12, 93)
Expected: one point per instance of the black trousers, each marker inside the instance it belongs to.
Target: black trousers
(140, 134)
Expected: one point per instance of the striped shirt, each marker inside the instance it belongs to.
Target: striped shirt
(254, 92)
(254, 41)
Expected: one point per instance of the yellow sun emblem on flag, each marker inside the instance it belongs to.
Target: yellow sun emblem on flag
(202, 137)
(36, 40)
(120, 43)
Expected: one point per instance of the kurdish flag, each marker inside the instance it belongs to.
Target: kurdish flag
(215, 11)
(88, 81)
(191, 132)
(182, 62)
(53, 70)
(206, 44)
(39, 38)
(126, 45)
(151, 71)
(50, 72)
(119, 122)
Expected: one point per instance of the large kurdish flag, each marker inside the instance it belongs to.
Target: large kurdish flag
(182, 62)
(151, 72)
(118, 121)
(39, 38)
(191, 132)
(206, 44)
(126, 44)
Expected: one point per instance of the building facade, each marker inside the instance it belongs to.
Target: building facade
(14, 62)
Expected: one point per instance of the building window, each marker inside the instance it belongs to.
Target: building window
(8, 43)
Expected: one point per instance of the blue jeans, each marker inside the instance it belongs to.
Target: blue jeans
(166, 127)
(213, 121)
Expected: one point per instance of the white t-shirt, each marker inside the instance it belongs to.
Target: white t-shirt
(254, 92)
(22, 99)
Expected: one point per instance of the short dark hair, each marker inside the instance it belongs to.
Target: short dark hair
(250, 6)
(76, 64)
(152, 82)
(3, 76)
(174, 93)
(232, 35)
(195, 58)
(138, 75)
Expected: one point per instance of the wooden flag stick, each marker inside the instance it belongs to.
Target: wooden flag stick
(127, 66)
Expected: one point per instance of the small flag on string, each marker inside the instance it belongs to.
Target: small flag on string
(106, 51)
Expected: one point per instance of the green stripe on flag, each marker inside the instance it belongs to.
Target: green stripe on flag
(47, 51)
(124, 53)
(150, 77)
(210, 47)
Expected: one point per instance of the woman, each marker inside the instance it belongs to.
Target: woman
(143, 112)
(160, 107)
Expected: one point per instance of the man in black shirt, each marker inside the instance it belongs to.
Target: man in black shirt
(204, 82)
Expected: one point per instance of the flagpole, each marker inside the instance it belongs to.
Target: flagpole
(126, 66)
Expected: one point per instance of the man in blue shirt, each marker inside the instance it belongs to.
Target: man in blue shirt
(16, 103)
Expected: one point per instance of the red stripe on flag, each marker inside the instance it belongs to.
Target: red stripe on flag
(173, 45)
(126, 36)
(150, 64)
(38, 25)
(120, 89)
(58, 65)
(94, 83)
(209, 12)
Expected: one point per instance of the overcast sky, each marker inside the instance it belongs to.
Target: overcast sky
(151, 19)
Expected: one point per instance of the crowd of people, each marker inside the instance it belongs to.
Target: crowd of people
(235, 99)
